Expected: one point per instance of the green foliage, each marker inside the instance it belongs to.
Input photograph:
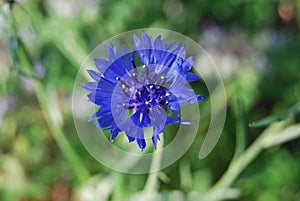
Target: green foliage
(43, 45)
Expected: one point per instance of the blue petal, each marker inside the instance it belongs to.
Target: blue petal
(171, 120)
(99, 93)
(158, 119)
(141, 143)
(199, 97)
(102, 111)
(188, 63)
(101, 64)
(117, 68)
(114, 133)
(155, 138)
(126, 60)
(105, 122)
(146, 121)
(147, 40)
(130, 139)
(136, 118)
(106, 85)
(90, 86)
(159, 44)
(145, 48)
(95, 75)
(179, 50)
(112, 52)
(191, 77)
(136, 41)
(167, 60)
(98, 99)
(174, 106)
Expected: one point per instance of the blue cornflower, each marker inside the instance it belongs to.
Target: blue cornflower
(132, 97)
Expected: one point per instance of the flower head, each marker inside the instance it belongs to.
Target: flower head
(133, 97)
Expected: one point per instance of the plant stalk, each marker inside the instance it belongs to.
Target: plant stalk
(80, 171)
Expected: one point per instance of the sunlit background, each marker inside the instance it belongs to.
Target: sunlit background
(256, 47)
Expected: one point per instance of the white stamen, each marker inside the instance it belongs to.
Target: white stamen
(131, 89)
(186, 123)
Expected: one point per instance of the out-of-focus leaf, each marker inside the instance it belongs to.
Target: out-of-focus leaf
(275, 177)
(12, 177)
(159, 196)
(96, 189)
(202, 180)
(216, 195)
(176, 196)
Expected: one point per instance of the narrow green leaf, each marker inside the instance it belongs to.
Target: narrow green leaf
(12, 43)
(25, 62)
(290, 113)
(265, 121)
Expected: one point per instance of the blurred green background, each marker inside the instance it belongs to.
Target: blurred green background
(256, 47)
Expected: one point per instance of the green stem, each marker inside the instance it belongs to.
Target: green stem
(118, 191)
(151, 183)
(80, 171)
(237, 166)
(240, 129)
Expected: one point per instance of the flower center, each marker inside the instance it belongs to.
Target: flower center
(148, 96)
